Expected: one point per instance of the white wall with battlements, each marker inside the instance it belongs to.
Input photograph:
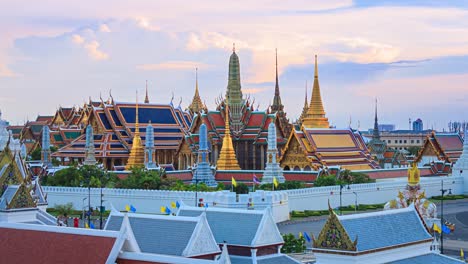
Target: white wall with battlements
(371, 193)
(282, 202)
(150, 201)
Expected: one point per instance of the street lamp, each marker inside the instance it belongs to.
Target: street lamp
(196, 187)
(100, 210)
(89, 203)
(442, 222)
(355, 202)
(83, 207)
(341, 190)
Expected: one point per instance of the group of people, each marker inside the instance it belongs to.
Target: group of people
(62, 220)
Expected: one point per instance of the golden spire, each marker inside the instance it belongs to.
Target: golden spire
(197, 104)
(146, 97)
(306, 105)
(227, 158)
(137, 154)
(315, 117)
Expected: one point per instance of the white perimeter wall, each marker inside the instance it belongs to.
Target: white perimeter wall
(282, 202)
(371, 193)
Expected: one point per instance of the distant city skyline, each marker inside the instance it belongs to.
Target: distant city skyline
(59, 54)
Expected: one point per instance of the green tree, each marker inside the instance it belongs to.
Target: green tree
(64, 209)
(328, 180)
(36, 154)
(350, 177)
(293, 244)
(241, 188)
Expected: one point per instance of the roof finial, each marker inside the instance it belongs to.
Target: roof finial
(137, 130)
(316, 67)
(234, 47)
(146, 96)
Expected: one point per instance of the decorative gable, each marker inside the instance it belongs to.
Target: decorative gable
(267, 233)
(333, 235)
(202, 241)
(22, 199)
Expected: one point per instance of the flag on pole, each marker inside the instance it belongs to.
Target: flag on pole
(177, 204)
(300, 235)
(436, 228)
(445, 229)
(132, 209)
(92, 226)
(173, 205)
(234, 183)
(168, 211)
(255, 179)
(306, 236)
(462, 254)
(275, 182)
(206, 205)
(163, 209)
(86, 225)
(127, 208)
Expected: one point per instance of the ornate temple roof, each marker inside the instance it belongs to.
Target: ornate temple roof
(333, 147)
(197, 105)
(446, 146)
(370, 232)
(114, 128)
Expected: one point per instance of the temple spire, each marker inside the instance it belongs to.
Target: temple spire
(146, 96)
(376, 134)
(197, 104)
(227, 157)
(315, 117)
(137, 154)
(277, 105)
(306, 105)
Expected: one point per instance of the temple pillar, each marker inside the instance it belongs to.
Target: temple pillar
(179, 164)
(262, 157)
(246, 155)
(112, 163)
(254, 149)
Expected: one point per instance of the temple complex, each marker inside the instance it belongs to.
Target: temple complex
(248, 126)
(117, 127)
(315, 145)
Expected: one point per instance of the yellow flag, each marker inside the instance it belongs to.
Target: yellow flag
(300, 235)
(86, 225)
(462, 254)
(275, 182)
(234, 183)
(173, 205)
(163, 209)
(436, 228)
(127, 208)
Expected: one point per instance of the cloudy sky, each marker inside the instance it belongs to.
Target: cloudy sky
(412, 56)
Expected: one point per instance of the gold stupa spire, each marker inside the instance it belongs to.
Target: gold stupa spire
(197, 104)
(137, 154)
(227, 158)
(315, 117)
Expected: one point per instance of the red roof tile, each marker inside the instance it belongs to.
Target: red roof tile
(32, 246)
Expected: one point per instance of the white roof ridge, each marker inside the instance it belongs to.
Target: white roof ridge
(224, 210)
(156, 216)
(377, 213)
(62, 230)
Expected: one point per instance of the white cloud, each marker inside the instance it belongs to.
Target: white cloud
(94, 52)
(5, 72)
(145, 23)
(104, 28)
(78, 39)
(173, 65)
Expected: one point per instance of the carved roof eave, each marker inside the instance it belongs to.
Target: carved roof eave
(286, 148)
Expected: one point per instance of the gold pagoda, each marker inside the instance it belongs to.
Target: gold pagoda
(137, 154)
(227, 157)
(315, 117)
